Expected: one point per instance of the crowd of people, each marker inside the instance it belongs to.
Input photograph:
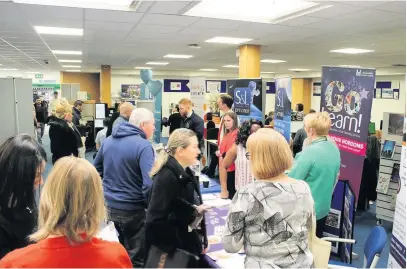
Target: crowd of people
(154, 198)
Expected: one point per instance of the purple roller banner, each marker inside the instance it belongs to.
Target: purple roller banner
(347, 95)
(215, 221)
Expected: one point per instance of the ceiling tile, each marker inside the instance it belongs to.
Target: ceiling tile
(110, 26)
(156, 29)
(112, 15)
(168, 7)
(33, 11)
(217, 23)
(301, 21)
(168, 20)
(396, 6)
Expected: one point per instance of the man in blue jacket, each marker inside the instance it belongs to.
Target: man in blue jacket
(124, 161)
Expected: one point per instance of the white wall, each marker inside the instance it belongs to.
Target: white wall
(379, 106)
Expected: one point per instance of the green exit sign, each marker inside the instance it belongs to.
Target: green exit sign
(38, 75)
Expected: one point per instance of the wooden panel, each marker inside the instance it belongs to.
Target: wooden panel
(249, 61)
(105, 85)
(89, 82)
(307, 93)
(297, 88)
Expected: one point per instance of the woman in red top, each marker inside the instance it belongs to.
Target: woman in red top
(230, 122)
(70, 213)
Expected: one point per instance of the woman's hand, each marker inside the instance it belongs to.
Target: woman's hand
(204, 251)
(224, 194)
(218, 153)
(203, 208)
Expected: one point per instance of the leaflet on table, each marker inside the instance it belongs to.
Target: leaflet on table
(215, 223)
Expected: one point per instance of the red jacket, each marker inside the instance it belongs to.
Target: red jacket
(227, 143)
(57, 253)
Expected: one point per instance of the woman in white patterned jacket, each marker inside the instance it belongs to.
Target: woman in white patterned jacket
(271, 216)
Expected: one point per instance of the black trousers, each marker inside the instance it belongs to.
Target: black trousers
(231, 184)
(131, 228)
(320, 227)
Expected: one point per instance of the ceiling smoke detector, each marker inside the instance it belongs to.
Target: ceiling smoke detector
(194, 46)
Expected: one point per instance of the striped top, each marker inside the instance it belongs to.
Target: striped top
(243, 174)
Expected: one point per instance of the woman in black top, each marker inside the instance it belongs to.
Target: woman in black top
(22, 162)
(175, 201)
(65, 137)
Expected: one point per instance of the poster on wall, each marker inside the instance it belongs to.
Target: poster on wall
(247, 98)
(397, 257)
(316, 89)
(282, 110)
(197, 86)
(347, 95)
(387, 94)
(213, 87)
(130, 91)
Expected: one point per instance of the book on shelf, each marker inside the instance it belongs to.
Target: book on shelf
(383, 183)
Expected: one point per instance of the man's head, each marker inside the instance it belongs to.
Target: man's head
(37, 100)
(311, 111)
(144, 119)
(185, 107)
(55, 95)
(225, 102)
(126, 109)
(106, 122)
(79, 105)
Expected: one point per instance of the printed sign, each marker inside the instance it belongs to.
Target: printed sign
(197, 88)
(175, 86)
(347, 95)
(282, 110)
(247, 98)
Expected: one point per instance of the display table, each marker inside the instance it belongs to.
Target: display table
(216, 256)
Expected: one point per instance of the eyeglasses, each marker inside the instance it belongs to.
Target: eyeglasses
(247, 155)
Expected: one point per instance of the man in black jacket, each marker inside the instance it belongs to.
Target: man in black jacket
(76, 112)
(41, 111)
(192, 121)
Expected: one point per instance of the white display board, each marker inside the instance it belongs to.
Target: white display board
(397, 258)
(197, 85)
(100, 111)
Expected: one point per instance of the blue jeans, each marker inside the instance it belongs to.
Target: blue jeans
(131, 228)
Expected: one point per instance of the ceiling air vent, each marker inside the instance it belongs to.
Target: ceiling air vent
(398, 65)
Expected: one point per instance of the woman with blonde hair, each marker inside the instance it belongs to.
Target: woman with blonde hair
(65, 137)
(174, 215)
(271, 216)
(318, 165)
(71, 211)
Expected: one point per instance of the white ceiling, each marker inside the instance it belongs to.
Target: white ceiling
(128, 39)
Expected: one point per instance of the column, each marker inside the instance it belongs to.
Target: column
(249, 61)
(301, 93)
(105, 85)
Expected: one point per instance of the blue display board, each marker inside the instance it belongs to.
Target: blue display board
(340, 220)
(282, 114)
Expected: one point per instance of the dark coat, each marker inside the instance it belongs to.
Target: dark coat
(110, 125)
(65, 141)
(171, 210)
(174, 121)
(196, 124)
(76, 116)
(15, 229)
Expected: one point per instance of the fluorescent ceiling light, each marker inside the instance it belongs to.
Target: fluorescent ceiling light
(272, 61)
(67, 52)
(351, 51)
(157, 63)
(72, 66)
(267, 72)
(70, 61)
(93, 4)
(208, 70)
(299, 69)
(143, 67)
(58, 30)
(231, 66)
(72, 70)
(8, 69)
(263, 11)
(228, 40)
(178, 56)
(343, 65)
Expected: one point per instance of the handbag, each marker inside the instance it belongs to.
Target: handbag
(320, 249)
(177, 259)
